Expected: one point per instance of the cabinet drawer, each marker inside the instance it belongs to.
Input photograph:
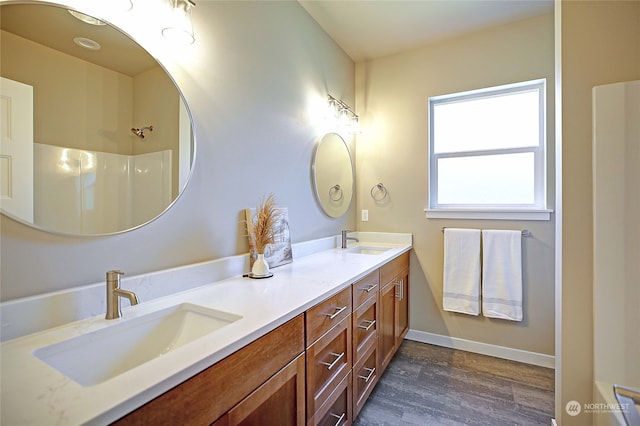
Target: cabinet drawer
(365, 327)
(328, 362)
(337, 410)
(325, 315)
(365, 288)
(389, 270)
(365, 377)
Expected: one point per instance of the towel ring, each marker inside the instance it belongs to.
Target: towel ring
(335, 192)
(379, 189)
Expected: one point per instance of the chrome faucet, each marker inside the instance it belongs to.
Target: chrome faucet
(114, 293)
(345, 238)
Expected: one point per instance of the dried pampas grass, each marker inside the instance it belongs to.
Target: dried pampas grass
(264, 223)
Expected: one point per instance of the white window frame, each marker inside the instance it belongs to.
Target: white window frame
(535, 211)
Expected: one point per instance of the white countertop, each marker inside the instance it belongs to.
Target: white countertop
(33, 393)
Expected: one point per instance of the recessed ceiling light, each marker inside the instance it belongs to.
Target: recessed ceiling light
(86, 18)
(87, 43)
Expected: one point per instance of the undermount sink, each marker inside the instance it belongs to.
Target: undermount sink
(100, 355)
(367, 250)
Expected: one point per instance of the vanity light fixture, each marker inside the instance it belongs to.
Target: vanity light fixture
(344, 115)
(179, 29)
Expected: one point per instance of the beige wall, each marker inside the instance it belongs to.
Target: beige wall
(392, 95)
(76, 104)
(156, 103)
(85, 106)
(251, 80)
(600, 45)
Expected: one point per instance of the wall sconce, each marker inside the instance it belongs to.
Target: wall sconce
(344, 115)
(179, 29)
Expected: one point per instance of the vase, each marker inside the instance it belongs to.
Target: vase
(260, 266)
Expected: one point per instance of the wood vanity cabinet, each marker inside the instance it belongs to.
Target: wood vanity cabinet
(394, 307)
(317, 369)
(246, 385)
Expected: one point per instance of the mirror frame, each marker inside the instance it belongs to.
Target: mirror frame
(314, 174)
(181, 190)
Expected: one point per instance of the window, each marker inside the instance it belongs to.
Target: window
(487, 153)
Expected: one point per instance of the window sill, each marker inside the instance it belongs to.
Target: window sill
(541, 214)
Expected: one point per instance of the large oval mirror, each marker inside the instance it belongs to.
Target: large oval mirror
(96, 137)
(333, 175)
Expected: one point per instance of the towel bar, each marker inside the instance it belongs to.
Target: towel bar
(525, 232)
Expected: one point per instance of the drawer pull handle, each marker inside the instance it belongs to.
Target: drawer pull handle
(339, 417)
(400, 293)
(330, 365)
(336, 313)
(368, 326)
(367, 378)
(368, 289)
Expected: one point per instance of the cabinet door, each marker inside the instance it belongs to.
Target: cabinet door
(402, 308)
(387, 324)
(280, 401)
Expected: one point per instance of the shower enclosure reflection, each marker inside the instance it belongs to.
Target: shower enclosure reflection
(111, 144)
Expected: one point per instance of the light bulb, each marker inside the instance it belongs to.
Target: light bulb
(180, 29)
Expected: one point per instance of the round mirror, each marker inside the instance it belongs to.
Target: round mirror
(333, 175)
(96, 137)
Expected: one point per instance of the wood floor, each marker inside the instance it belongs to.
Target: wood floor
(431, 385)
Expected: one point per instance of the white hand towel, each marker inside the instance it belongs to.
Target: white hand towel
(461, 271)
(502, 274)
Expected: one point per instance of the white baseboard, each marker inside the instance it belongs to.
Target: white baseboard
(553, 422)
(483, 348)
